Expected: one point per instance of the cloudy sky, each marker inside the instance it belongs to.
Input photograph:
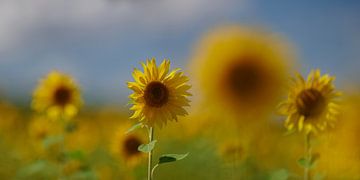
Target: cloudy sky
(100, 41)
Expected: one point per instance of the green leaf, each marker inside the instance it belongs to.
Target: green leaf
(51, 140)
(305, 163)
(166, 158)
(281, 174)
(147, 147)
(136, 126)
(77, 154)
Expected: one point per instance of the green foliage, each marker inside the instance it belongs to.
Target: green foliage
(76, 155)
(281, 174)
(39, 169)
(166, 158)
(308, 163)
(52, 140)
(147, 147)
(134, 127)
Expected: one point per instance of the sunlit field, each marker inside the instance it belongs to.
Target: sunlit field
(187, 90)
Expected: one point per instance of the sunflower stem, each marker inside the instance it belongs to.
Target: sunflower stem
(151, 137)
(307, 155)
(153, 170)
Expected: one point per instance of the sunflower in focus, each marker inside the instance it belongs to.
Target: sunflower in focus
(57, 95)
(125, 146)
(158, 95)
(311, 105)
(241, 69)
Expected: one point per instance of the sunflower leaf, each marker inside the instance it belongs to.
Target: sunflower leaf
(281, 174)
(134, 127)
(76, 154)
(147, 147)
(166, 158)
(303, 162)
(307, 163)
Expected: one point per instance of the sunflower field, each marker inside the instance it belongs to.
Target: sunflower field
(179, 90)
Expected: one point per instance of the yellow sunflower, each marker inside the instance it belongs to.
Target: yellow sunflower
(241, 69)
(57, 95)
(311, 105)
(340, 148)
(125, 146)
(159, 96)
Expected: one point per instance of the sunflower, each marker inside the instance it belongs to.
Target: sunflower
(40, 131)
(57, 95)
(340, 148)
(241, 69)
(125, 146)
(158, 96)
(311, 105)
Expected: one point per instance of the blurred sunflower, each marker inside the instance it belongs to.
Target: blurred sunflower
(159, 96)
(311, 105)
(340, 148)
(125, 146)
(57, 95)
(85, 134)
(241, 69)
(40, 130)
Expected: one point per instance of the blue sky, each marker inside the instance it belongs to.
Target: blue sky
(99, 42)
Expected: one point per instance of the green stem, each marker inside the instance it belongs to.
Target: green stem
(151, 134)
(153, 170)
(307, 156)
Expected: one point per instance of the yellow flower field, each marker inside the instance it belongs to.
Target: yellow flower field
(243, 101)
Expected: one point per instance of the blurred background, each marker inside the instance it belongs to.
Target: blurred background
(100, 42)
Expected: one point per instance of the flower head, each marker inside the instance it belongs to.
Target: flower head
(125, 146)
(311, 105)
(57, 95)
(241, 69)
(159, 96)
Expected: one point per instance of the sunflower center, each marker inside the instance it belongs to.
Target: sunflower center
(156, 94)
(131, 145)
(244, 79)
(62, 96)
(310, 102)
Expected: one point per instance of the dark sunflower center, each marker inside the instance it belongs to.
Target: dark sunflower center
(244, 79)
(131, 145)
(62, 96)
(310, 102)
(156, 94)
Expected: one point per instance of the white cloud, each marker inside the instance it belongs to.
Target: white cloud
(20, 18)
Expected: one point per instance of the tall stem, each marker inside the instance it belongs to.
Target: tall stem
(151, 134)
(307, 155)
